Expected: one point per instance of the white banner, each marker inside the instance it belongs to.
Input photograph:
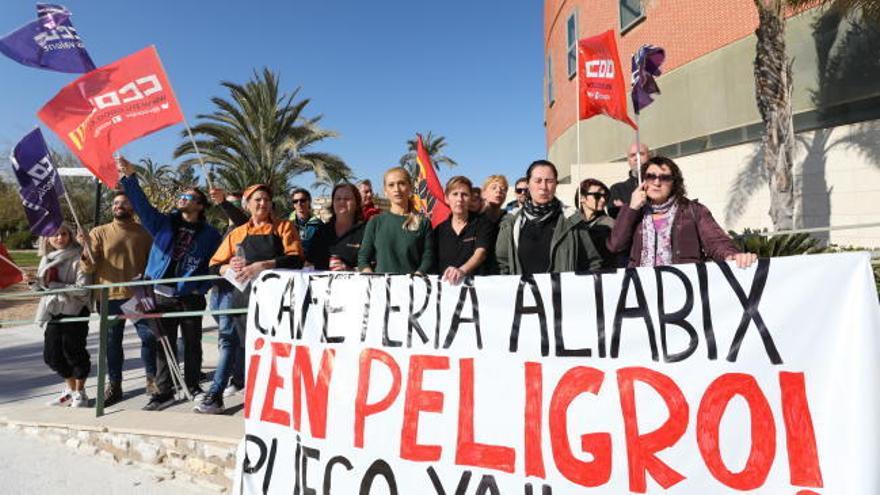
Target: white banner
(692, 379)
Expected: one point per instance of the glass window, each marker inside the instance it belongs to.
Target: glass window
(550, 96)
(630, 12)
(571, 32)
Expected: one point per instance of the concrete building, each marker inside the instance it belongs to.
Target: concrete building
(706, 117)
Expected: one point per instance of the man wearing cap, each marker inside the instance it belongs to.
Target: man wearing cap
(183, 242)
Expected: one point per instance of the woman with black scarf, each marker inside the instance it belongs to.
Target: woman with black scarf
(544, 236)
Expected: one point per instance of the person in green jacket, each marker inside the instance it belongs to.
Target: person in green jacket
(544, 236)
(401, 240)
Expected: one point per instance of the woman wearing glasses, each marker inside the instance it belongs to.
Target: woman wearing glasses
(662, 226)
(592, 197)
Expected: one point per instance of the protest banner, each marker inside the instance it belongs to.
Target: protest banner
(688, 379)
(111, 106)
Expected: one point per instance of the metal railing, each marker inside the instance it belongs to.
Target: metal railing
(104, 319)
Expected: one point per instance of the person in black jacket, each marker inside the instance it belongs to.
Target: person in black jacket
(464, 240)
(336, 243)
(622, 191)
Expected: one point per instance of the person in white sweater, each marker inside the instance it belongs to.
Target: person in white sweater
(64, 348)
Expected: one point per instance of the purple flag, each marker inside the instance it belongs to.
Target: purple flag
(645, 67)
(40, 184)
(50, 42)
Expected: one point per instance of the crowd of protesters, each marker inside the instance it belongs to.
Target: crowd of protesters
(630, 224)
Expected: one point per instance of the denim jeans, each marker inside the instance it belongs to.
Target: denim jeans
(230, 360)
(115, 355)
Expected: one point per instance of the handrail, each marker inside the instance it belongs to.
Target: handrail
(41, 293)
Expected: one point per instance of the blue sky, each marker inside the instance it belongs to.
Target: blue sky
(378, 71)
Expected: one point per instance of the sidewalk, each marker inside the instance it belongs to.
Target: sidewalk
(175, 441)
(25, 380)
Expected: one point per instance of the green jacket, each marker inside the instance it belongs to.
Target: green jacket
(571, 249)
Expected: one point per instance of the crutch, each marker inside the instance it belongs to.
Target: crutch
(176, 375)
(145, 302)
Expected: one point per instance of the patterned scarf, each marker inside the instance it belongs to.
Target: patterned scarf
(539, 213)
(657, 245)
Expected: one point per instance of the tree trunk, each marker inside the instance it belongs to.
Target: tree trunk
(773, 86)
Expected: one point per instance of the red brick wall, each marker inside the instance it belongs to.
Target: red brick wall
(687, 29)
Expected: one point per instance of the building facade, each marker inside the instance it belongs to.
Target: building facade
(706, 117)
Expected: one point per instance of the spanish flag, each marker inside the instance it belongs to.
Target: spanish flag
(429, 192)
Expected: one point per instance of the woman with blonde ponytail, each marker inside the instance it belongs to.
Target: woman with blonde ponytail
(400, 240)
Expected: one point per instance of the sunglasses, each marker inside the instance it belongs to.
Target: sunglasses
(188, 197)
(597, 195)
(300, 200)
(660, 177)
(521, 190)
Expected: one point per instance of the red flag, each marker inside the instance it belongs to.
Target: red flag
(430, 198)
(600, 79)
(9, 272)
(110, 106)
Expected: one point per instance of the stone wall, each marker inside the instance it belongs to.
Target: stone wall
(209, 465)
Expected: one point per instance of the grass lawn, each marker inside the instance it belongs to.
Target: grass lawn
(24, 258)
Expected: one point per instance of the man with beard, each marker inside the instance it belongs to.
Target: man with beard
(183, 242)
(117, 252)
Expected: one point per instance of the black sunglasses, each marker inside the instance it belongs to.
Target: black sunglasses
(660, 177)
(521, 190)
(300, 200)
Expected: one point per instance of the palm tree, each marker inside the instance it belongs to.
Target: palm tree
(260, 136)
(869, 9)
(156, 180)
(434, 146)
(773, 87)
(840, 58)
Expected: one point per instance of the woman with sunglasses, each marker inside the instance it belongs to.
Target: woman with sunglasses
(592, 198)
(662, 226)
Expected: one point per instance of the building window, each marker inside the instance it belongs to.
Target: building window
(571, 33)
(630, 13)
(551, 97)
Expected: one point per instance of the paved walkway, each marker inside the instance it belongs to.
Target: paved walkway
(31, 465)
(26, 380)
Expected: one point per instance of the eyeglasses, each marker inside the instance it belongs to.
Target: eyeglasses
(596, 194)
(660, 177)
(186, 196)
(299, 200)
(521, 190)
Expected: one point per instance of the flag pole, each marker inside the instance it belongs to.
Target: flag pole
(638, 151)
(190, 134)
(192, 139)
(577, 128)
(79, 227)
